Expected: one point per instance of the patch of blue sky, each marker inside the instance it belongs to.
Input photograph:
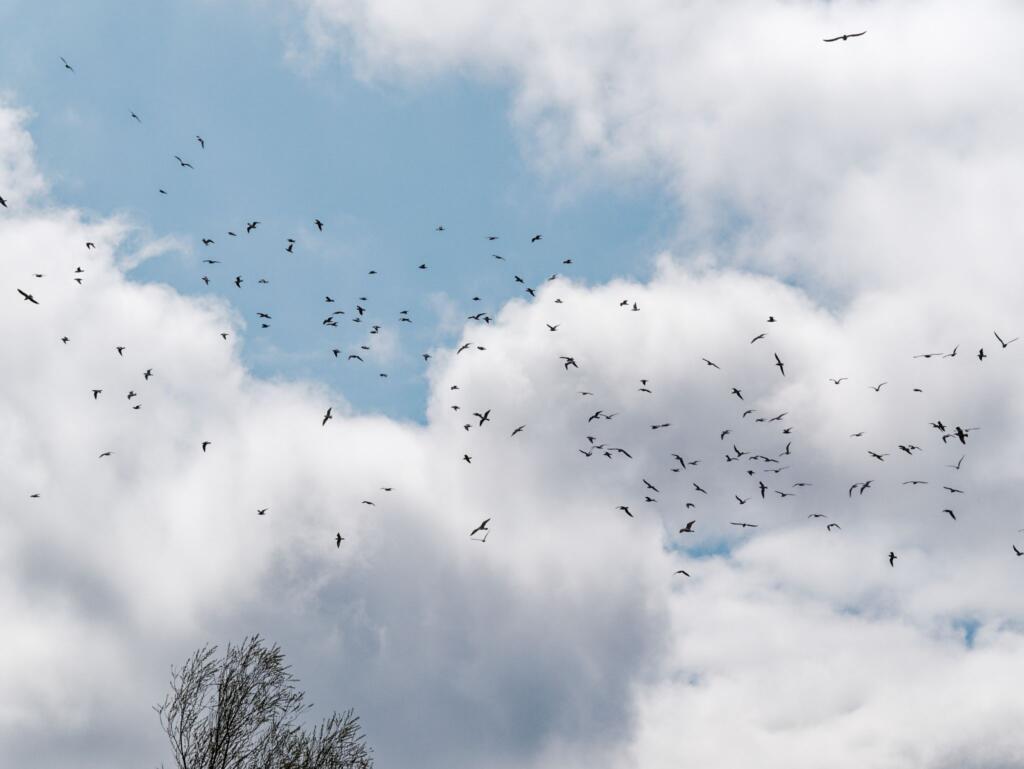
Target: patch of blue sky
(382, 166)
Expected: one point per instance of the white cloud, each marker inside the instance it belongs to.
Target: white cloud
(564, 640)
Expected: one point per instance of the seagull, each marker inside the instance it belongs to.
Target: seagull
(1016, 550)
(106, 454)
(262, 510)
(518, 430)
(202, 143)
(780, 364)
(878, 387)
(710, 363)
(831, 525)
(837, 381)
(204, 445)
(847, 36)
(66, 65)
(625, 509)
(743, 525)
(27, 297)
(1005, 344)
(319, 224)
(535, 238)
(327, 416)
(688, 528)
(183, 164)
(759, 336)
(338, 539)
(892, 557)
(481, 527)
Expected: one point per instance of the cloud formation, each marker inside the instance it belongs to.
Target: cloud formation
(565, 640)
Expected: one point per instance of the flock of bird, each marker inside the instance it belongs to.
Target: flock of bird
(755, 465)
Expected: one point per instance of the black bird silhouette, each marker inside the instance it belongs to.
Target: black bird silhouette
(27, 297)
(1016, 550)
(517, 431)
(1005, 344)
(892, 558)
(743, 524)
(250, 226)
(338, 539)
(202, 143)
(147, 374)
(625, 509)
(327, 416)
(710, 363)
(830, 526)
(780, 364)
(759, 336)
(878, 387)
(481, 527)
(847, 36)
(136, 117)
(205, 444)
(736, 391)
(319, 224)
(535, 238)
(3, 202)
(950, 513)
(262, 510)
(981, 354)
(837, 381)
(683, 572)
(66, 65)
(183, 164)
(688, 528)
(485, 417)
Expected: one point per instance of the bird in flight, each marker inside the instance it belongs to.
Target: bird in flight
(27, 297)
(66, 65)
(518, 430)
(688, 528)
(847, 36)
(327, 416)
(338, 539)
(204, 445)
(481, 527)
(319, 224)
(780, 364)
(183, 164)
(743, 524)
(1005, 344)
(892, 558)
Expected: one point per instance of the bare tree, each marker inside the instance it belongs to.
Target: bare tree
(241, 712)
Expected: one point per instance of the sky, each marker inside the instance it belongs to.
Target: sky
(713, 172)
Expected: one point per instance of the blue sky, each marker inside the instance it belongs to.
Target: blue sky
(289, 142)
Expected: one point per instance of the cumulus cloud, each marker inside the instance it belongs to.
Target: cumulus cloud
(847, 166)
(565, 640)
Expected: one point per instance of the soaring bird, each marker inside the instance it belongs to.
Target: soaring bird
(780, 365)
(481, 527)
(338, 539)
(319, 224)
(27, 297)
(892, 558)
(625, 509)
(688, 528)
(327, 416)
(847, 36)
(182, 163)
(535, 238)
(1005, 344)
(66, 65)
(204, 445)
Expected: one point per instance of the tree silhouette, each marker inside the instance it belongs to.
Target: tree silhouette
(241, 711)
